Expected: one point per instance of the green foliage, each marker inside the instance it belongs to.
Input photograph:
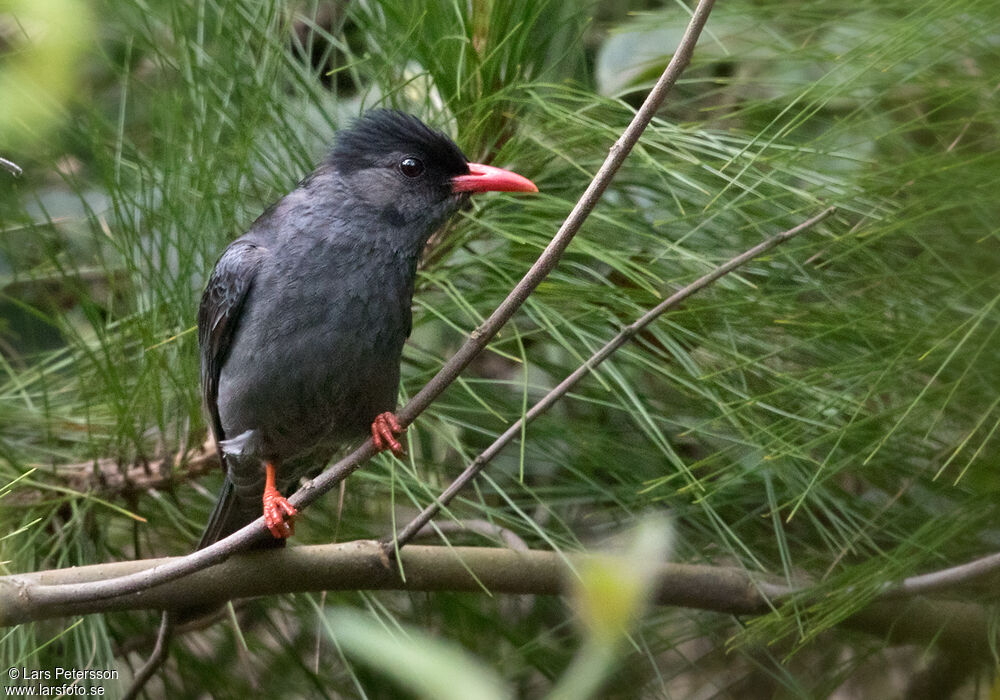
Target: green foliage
(830, 412)
(43, 39)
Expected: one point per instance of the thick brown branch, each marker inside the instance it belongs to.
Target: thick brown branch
(358, 566)
(353, 566)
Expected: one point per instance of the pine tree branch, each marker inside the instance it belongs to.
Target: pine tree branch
(477, 341)
(106, 478)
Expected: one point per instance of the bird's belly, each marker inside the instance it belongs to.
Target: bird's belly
(316, 384)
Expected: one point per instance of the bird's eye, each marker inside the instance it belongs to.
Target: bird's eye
(411, 167)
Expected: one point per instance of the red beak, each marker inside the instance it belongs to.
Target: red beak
(486, 178)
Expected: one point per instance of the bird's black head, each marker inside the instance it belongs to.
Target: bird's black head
(394, 162)
(408, 174)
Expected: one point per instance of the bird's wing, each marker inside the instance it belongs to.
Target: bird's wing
(218, 317)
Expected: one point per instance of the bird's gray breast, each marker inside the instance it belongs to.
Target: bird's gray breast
(316, 354)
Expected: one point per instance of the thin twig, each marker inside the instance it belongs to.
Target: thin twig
(155, 659)
(480, 527)
(11, 167)
(476, 342)
(945, 578)
(484, 458)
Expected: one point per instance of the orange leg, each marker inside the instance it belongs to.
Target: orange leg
(385, 428)
(279, 514)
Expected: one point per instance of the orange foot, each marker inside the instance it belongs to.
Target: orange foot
(385, 428)
(279, 514)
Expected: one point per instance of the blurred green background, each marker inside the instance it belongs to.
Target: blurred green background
(829, 413)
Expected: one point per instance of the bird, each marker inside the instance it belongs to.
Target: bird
(302, 322)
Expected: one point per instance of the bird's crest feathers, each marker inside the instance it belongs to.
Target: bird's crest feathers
(383, 131)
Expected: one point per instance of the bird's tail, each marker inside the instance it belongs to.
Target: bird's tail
(220, 522)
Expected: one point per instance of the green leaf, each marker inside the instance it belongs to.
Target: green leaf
(419, 663)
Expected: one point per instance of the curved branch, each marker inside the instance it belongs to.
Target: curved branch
(11, 167)
(311, 491)
(155, 660)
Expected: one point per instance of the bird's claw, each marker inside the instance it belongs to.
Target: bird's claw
(385, 428)
(279, 514)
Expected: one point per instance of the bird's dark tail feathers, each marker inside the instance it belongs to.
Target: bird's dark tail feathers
(220, 523)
